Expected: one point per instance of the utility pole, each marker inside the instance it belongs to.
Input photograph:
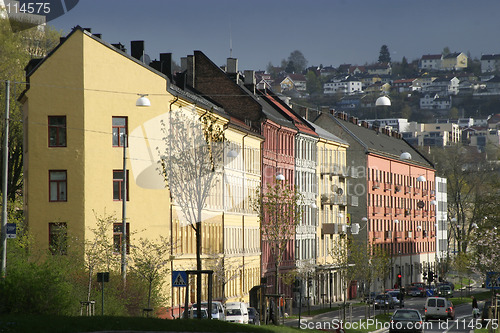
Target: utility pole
(124, 213)
(5, 165)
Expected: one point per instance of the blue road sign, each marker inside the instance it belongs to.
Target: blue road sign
(179, 278)
(11, 230)
(492, 280)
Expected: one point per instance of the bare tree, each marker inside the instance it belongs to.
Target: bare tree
(191, 159)
(279, 209)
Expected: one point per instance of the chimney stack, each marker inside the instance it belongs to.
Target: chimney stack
(190, 71)
(232, 66)
(166, 65)
(137, 49)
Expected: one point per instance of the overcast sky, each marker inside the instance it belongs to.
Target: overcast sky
(327, 32)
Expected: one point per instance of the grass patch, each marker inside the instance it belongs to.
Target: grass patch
(380, 318)
(67, 324)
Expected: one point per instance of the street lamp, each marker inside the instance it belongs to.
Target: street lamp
(5, 164)
(142, 101)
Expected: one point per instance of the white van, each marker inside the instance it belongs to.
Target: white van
(439, 308)
(237, 312)
(217, 310)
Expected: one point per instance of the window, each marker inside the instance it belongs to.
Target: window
(118, 185)
(119, 129)
(117, 237)
(58, 238)
(57, 131)
(57, 185)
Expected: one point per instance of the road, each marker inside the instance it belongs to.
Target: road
(355, 318)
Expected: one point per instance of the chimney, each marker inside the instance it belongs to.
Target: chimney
(166, 64)
(190, 71)
(120, 47)
(98, 36)
(184, 65)
(232, 66)
(137, 49)
(355, 119)
(250, 80)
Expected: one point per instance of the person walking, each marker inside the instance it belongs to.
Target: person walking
(475, 308)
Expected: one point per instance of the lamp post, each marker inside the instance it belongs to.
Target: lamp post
(142, 101)
(5, 174)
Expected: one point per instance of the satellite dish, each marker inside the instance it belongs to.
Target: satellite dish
(340, 191)
(334, 188)
(146, 59)
(420, 204)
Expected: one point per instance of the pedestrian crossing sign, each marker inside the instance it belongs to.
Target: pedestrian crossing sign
(179, 278)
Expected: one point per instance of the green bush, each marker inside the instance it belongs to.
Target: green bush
(35, 288)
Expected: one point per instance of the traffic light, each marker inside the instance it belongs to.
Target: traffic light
(431, 276)
(399, 280)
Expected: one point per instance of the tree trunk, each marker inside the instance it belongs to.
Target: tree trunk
(198, 268)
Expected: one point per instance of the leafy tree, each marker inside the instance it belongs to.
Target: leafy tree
(470, 179)
(298, 61)
(385, 55)
(446, 51)
(149, 259)
(313, 83)
(16, 51)
(191, 161)
(278, 206)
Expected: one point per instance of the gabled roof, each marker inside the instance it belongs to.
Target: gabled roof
(171, 88)
(452, 55)
(323, 133)
(431, 57)
(490, 57)
(378, 143)
(281, 107)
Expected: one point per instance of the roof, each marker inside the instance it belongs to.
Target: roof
(431, 57)
(490, 57)
(378, 143)
(298, 121)
(323, 133)
(190, 96)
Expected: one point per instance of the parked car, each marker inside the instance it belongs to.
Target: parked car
(406, 320)
(395, 296)
(237, 312)
(217, 310)
(368, 298)
(445, 291)
(438, 308)
(384, 301)
(193, 313)
(253, 316)
(420, 286)
(413, 291)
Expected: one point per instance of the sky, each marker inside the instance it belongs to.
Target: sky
(259, 32)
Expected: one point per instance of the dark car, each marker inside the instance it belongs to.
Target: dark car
(413, 291)
(253, 316)
(406, 320)
(384, 301)
(370, 297)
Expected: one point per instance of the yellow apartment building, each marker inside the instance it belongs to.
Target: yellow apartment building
(80, 101)
(332, 173)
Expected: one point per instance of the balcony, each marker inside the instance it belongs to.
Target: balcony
(387, 211)
(407, 189)
(399, 211)
(329, 228)
(375, 185)
(387, 186)
(388, 234)
(377, 210)
(398, 188)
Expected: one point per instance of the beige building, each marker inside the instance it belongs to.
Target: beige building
(80, 101)
(333, 198)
